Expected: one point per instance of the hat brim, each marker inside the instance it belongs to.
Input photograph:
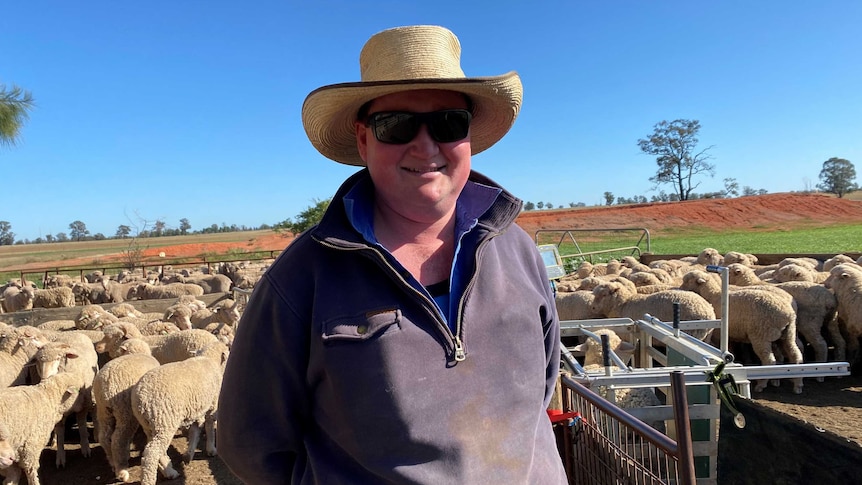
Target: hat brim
(329, 113)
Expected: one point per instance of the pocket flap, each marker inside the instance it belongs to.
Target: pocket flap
(361, 327)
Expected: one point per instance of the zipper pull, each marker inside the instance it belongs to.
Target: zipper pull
(460, 356)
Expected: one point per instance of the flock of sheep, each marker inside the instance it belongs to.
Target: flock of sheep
(114, 366)
(161, 372)
(778, 309)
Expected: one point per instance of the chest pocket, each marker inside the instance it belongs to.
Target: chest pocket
(360, 327)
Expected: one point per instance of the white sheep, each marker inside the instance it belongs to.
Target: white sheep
(117, 292)
(112, 393)
(227, 314)
(71, 352)
(574, 305)
(835, 261)
(168, 348)
(61, 297)
(214, 283)
(121, 310)
(18, 298)
(93, 317)
(732, 257)
(815, 307)
(16, 351)
(845, 281)
(29, 414)
(617, 300)
(798, 272)
(90, 293)
(147, 291)
(173, 396)
(756, 317)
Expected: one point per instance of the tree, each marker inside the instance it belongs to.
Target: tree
(529, 206)
(61, 237)
(609, 198)
(184, 226)
(731, 187)
(673, 144)
(7, 237)
(123, 231)
(306, 219)
(837, 177)
(549, 205)
(77, 231)
(15, 104)
(158, 228)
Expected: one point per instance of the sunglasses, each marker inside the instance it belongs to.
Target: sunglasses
(401, 127)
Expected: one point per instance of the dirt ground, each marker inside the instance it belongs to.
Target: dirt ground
(834, 405)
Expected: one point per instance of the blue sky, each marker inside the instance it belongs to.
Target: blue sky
(167, 110)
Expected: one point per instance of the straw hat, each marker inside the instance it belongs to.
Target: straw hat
(404, 59)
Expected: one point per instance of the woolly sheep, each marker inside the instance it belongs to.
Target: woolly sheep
(175, 395)
(215, 283)
(797, 272)
(168, 348)
(756, 317)
(61, 297)
(616, 300)
(574, 305)
(147, 291)
(112, 393)
(93, 317)
(29, 414)
(117, 292)
(845, 281)
(226, 313)
(15, 298)
(58, 280)
(732, 257)
(815, 307)
(72, 352)
(15, 352)
(124, 310)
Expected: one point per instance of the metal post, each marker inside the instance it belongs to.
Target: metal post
(725, 302)
(687, 474)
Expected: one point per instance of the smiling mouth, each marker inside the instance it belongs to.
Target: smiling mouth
(424, 170)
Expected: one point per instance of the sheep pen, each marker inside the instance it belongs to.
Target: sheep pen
(831, 405)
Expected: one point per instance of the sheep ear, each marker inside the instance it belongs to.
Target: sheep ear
(701, 281)
(580, 347)
(625, 350)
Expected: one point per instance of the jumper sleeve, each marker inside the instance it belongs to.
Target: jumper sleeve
(263, 400)
(551, 329)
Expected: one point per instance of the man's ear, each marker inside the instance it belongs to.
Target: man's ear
(361, 140)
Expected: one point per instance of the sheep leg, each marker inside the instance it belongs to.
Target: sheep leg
(763, 349)
(120, 442)
(31, 470)
(81, 417)
(60, 433)
(837, 339)
(211, 437)
(106, 427)
(792, 352)
(193, 438)
(814, 338)
(155, 458)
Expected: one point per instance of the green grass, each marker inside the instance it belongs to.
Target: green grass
(821, 240)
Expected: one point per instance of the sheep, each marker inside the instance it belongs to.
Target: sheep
(625, 397)
(215, 283)
(57, 281)
(15, 298)
(71, 352)
(90, 293)
(845, 281)
(61, 297)
(797, 272)
(574, 305)
(816, 306)
(112, 393)
(58, 325)
(588, 269)
(151, 326)
(29, 414)
(117, 292)
(147, 291)
(93, 317)
(757, 317)
(810, 263)
(16, 350)
(180, 312)
(226, 314)
(168, 348)
(614, 299)
(835, 261)
(176, 395)
(124, 310)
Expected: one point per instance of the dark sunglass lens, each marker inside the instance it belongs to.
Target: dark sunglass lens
(450, 125)
(395, 128)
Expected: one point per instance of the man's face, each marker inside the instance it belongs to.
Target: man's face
(420, 179)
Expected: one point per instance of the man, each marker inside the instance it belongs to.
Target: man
(411, 336)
